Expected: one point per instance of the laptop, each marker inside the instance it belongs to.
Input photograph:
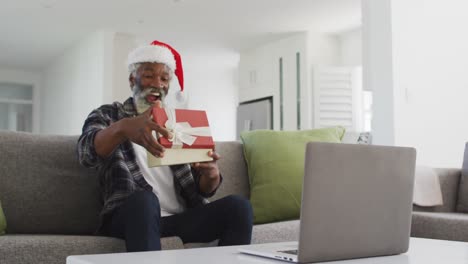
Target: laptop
(356, 202)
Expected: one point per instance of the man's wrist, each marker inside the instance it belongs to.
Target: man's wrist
(120, 130)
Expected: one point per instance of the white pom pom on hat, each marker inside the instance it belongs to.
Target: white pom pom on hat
(161, 53)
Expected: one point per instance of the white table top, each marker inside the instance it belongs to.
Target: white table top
(421, 251)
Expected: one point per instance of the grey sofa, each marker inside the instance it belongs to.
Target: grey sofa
(442, 222)
(52, 203)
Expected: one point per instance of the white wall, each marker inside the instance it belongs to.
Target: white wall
(74, 85)
(324, 49)
(430, 53)
(263, 63)
(211, 83)
(317, 50)
(350, 43)
(94, 72)
(123, 44)
(425, 52)
(27, 77)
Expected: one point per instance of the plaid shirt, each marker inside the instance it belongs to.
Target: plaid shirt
(119, 174)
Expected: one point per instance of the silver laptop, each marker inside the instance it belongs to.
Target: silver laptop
(356, 202)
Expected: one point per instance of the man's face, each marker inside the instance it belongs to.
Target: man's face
(150, 84)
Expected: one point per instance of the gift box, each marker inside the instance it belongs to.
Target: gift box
(190, 139)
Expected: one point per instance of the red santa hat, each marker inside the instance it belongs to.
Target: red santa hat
(161, 53)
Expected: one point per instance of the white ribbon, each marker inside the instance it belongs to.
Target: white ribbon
(183, 132)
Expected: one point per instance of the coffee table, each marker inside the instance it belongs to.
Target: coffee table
(422, 251)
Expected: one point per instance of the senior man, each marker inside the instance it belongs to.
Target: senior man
(143, 204)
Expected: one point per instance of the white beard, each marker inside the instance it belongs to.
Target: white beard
(139, 98)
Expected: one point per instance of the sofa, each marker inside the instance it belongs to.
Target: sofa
(445, 221)
(52, 203)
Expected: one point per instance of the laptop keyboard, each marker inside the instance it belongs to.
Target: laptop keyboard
(292, 251)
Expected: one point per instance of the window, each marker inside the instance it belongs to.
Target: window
(16, 107)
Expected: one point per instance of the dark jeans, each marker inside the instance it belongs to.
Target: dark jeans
(138, 221)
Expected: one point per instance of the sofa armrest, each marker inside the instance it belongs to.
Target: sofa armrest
(449, 181)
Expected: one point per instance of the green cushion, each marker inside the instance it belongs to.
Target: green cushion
(2, 221)
(275, 162)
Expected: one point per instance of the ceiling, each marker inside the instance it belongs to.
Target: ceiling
(33, 32)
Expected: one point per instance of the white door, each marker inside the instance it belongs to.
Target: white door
(337, 97)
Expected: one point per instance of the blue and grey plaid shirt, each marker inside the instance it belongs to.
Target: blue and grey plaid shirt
(119, 173)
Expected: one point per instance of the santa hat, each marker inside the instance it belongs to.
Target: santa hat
(161, 53)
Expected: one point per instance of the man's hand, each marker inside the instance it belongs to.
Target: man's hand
(139, 130)
(136, 129)
(209, 173)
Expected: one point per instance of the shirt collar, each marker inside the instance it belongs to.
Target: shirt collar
(129, 107)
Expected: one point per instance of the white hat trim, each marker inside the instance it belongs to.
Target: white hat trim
(152, 53)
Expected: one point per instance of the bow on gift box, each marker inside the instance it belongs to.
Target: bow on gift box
(183, 132)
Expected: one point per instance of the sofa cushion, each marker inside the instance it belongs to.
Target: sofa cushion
(446, 226)
(462, 204)
(51, 249)
(276, 232)
(275, 162)
(43, 187)
(3, 223)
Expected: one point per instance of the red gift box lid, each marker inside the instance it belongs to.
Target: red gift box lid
(196, 118)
